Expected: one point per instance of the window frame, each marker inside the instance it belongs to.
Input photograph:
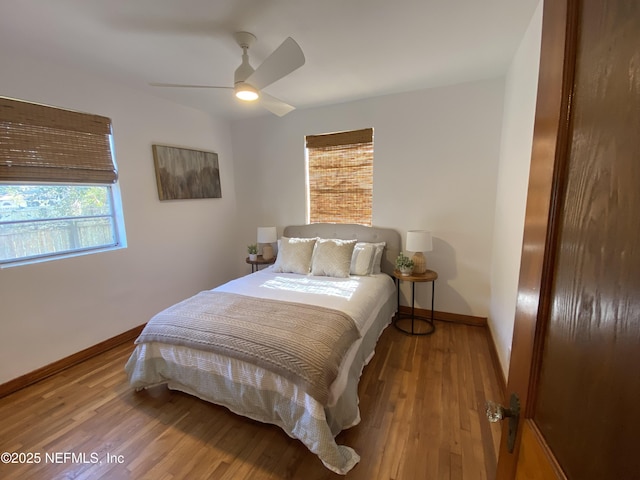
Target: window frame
(47, 145)
(115, 214)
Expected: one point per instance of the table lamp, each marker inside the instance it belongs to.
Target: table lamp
(419, 241)
(266, 236)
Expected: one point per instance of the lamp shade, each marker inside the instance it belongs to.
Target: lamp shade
(419, 241)
(267, 234)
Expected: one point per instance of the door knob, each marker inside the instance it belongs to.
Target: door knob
(496, 412)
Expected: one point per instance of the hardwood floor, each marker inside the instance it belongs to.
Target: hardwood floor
(421, 401)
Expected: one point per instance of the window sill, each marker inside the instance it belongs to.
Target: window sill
(50, 258)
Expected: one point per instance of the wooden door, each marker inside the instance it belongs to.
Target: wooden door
(576, 350)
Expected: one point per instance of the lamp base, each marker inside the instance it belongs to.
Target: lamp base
(267, 252)
(419, 263)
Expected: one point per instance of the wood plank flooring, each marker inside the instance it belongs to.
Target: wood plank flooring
(421, 401)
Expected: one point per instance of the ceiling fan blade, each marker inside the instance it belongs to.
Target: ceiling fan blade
(284, 60)
(185, 86)
(275, 106)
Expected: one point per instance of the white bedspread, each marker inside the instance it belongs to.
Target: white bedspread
(262, 395)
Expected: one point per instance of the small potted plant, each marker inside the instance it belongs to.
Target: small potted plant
(404, 264)
(253, 252)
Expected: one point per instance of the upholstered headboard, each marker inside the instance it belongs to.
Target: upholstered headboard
(361, 233)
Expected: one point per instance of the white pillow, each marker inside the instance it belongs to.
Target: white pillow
(366, 258)
(378, 258)
(332, 257)
(294, 255)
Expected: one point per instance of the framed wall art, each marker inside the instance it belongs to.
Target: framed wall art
(183, 173)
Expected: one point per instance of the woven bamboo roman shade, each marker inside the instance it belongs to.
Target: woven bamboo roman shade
(341, 177)
(47, 144)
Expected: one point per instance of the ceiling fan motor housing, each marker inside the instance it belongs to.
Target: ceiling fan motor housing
(245, 70)
(245, 40)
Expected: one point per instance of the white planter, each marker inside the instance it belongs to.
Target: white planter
(406, 271)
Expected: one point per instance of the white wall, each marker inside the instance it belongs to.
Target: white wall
(435, 167)
(53, 309)
(515, 157)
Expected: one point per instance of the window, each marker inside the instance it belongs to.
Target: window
(58, 183)
(41, 220)
(340, 177)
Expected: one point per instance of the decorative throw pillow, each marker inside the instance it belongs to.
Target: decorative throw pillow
(332, 257)
(294, 255)
(366, 258)
(378, 257)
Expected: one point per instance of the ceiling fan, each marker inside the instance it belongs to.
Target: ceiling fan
(249, 83)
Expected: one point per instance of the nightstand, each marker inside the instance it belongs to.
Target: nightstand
(428, 276)
(255, 264)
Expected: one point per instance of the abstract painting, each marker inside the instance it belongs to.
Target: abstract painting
(183, 173)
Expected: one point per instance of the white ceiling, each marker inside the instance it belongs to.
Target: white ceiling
(354, 49)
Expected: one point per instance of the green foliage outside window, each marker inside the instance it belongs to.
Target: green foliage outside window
(38, 220)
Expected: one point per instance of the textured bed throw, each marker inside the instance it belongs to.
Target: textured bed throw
(304, 343)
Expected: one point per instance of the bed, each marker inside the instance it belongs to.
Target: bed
(285, 345)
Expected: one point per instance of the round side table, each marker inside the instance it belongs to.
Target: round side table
(428, 276)
(255, 264)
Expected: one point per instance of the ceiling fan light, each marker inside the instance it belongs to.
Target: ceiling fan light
(246, 92)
